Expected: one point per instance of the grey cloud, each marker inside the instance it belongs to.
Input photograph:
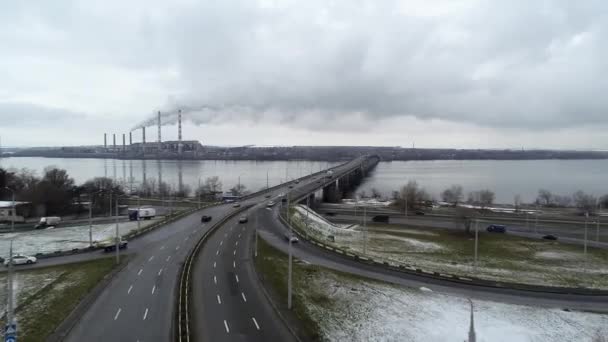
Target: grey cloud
(15, 114)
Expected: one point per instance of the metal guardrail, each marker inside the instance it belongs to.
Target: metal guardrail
(411, 269)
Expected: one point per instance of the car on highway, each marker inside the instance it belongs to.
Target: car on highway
(297, 181)
(21, 260)
(268, 196)
(236, 205)
(291, 238)
(496, 228)
(419, 212)
(291, 186)
(243, 219)
(550, 237)
(270, 204)
(205, 218)
(111, 246)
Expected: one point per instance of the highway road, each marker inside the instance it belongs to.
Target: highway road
(230, 305)
(273, 231)
(138, 304)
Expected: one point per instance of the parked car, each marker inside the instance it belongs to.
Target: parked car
(21, 260)
(111, 246)
(205, 218)
(496, 228)
(236, 205)
(291, 238)
(550, 237)
(243, 219)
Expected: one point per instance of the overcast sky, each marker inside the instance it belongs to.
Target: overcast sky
(495, 74)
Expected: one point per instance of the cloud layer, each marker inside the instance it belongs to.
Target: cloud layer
(321, 65)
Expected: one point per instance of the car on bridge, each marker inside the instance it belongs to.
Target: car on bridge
(496, 228)
(21, 260)
(243, 219)
(550, 237)
(236, 205)
(270, 204)
(205, 218)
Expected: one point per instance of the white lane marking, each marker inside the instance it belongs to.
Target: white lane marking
(160, 271)
(226, 235)
(237, 277)
(129, 290)
(140, 270)
(146, 314)
(236, 244)
(239, 236)
(221, 242)
(117, 313)
(256, 323)
(215, 280)
(244, 298)
(226, 326)
(219, 300)
(153, 289)
(176, 248)
(234, 253)
(162, 247)
(151, 258)
(168, 258)
(234, 264)
(217, 252)
(186, 238)
(214, 264)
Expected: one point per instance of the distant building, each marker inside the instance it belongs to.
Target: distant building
(22, 210)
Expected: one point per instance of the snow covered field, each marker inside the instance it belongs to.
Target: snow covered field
(349, 309)
(501, 258)
(63, 238)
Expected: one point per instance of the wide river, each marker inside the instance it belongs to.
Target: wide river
(505, 178)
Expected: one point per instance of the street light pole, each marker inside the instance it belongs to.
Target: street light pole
(585, 245)
(91, 221)
(597, 223)
(199, 192)
(117, 235)
(9, 312)
(13, 208)
(289, 282)
(138, 210)
(364, 231)
(476, 242)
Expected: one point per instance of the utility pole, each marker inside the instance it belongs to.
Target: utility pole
(138, 210)
(267, 187)
(364, 231)
(91, 221)
(536, 223)
(597, 223)
(199, 192)
(405, 207)
(476, 243)
(585, 245)
(289, 281)
(117, 235)
(10, 310)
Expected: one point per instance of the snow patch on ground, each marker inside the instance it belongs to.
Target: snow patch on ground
(63, 238)
(360, 310)
(319, 225)
(557, 255)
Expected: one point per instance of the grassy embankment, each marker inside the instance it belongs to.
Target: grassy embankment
(49, 294)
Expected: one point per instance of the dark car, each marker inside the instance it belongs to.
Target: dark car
(205, 218)
(380, 218)
(496, 228)
(419, 212)
(550, 237)
(112, 246)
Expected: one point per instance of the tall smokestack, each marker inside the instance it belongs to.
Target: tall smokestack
(179, 131)
(130, 138)
(143, 140)
(124, 144)
(105, 141)
(114, 141)
(160, 142)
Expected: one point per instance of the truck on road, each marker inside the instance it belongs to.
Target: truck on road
(141, 213)
(48, 221)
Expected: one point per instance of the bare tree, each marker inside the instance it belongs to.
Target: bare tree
(411, 194)
(376, 193)
(483, 198)
(562, 201)
(584, 201)
(238, 190)
(452, 195)
(210, 188)
(545, 197)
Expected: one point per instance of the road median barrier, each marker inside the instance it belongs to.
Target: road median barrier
(182, 319)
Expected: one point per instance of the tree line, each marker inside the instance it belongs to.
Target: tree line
(56, 193)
